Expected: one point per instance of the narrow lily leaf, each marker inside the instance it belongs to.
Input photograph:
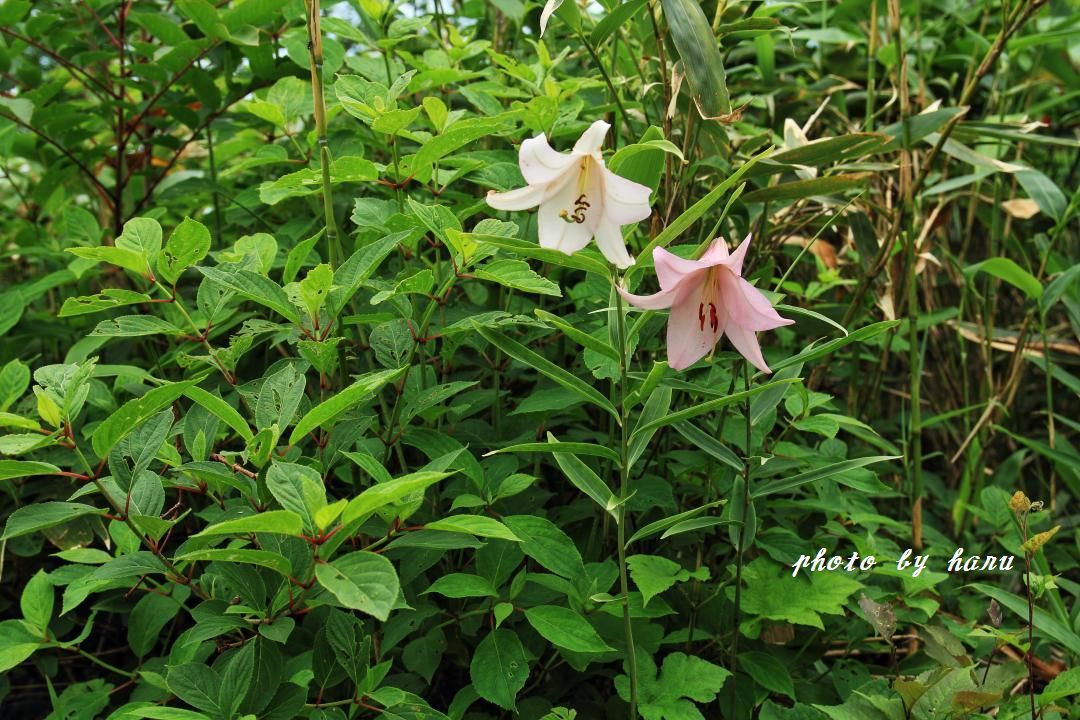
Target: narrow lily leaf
(700, 53)
(544, 366)
(828, 348)
(660, 526)
(1007, 270)
(709, 444)
(710, 406)
(577, 448)
(777, 485)
(585, 480)
(582, 338)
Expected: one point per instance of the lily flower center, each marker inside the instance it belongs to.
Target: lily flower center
(581, 204)
(708, 307)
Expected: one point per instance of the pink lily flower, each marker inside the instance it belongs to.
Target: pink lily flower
(708, 298)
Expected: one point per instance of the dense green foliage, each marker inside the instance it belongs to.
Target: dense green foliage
(294, 424)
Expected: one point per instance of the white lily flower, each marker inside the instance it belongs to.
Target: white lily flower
(579, 198)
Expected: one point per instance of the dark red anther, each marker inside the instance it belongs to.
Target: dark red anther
(714, 319)
(701, 315)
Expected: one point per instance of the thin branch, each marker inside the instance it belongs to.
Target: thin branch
(67, 153)
(63, 62)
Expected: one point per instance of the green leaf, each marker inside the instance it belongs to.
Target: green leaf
(263, 558)
(283, 522)
(254, 287)
(361, 581)
(709, 406)
(37, 601)
(577, 261)
(16, 644)
(670, 694)
(776, 485)
(14, 469)
(224, 412)
(43, 515)
(768, 672)
(700, 55)
(586, 480)
(577, 448)
(799, 189)
(1045, 624)
(338, 404)
(659, 526)
(828, 348)
(566, 629)
(499, 668)
(654, 574)
(105, 300)
(462, 585)
(134, 413)
(127, 259)
(311, 292)
(770, 593)
(11, 309)
(188, 244)
(14, 377)
(545, 543)
(580, 336)
(517, 274)
(544, 366)
(479, 525)
(1007, 270)
(135, 326)
(388, 493)
(1046, 194)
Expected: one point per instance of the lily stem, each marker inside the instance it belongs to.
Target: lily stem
(315, 53)
(624, 482)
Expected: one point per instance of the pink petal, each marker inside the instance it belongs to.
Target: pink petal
(540, 163)
(688, 339)
(746, 342)
(735, 261)
(747, 306)
(716, 253)
(610, 241)
(659, 301)
(625, 201)
(592, 139)
(671, 270)
(520, 199)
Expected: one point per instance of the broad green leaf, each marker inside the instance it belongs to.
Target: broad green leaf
(224, 412)
(1045, 624)
(43, 515)
(135, 326)
(516, 274)
(188, 244)
(462, 585)
(671, 692)
(544, 366)
(135, 412)
(11, 309)
(14, 469)
(105, 300)
(654, 574)
(37, 600)
(338, 404)
(1005, 269)
(768, 672)
(16, 644)
(566, 629)
(254, 287)
(388, 493)
(264, 558)
(499, 668)
(282, 522)
(479, 525)
(545, 543)
(361, 581)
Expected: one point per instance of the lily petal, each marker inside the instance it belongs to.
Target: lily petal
(610, 241)
(540, 163)
(558, 232)
(625, 201)
(735, 261)
(592, 139)
(520, 199)
(748, 307)
(746, 342)
(688, 339)
(672, 269)
(658, 301)
(716, 253)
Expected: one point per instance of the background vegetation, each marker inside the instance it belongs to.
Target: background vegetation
(280, 393)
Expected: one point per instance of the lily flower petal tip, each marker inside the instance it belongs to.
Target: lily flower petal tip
(709, 298)
(579, 198)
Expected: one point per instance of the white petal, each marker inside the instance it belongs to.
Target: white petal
(610, 241)
(557, 228)
(793, 135)
(520, 199)
(625, 201)
(549, 9)
(540, 163)
(592, 139)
